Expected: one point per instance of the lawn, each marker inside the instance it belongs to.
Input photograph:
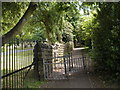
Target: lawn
(16, 59)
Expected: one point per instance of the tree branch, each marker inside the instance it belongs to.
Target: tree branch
(17, 28)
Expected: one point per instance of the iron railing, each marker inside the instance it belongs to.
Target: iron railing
(58, 68)
(16, 61)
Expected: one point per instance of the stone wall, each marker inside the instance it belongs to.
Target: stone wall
(58, 50)
(68, 47)
(45, 51)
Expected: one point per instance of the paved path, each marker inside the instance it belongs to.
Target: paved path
(76, 80)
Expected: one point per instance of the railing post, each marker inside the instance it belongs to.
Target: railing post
(83, 59)
(71, 59)
(65, 65)
(69, 62)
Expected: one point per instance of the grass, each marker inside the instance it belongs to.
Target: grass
(32, 82)
(16, 60)
(14, 81)
(16, 48)
(17, 80)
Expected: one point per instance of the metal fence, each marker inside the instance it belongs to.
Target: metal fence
(59, 68)
(16, 61)
(55, 68)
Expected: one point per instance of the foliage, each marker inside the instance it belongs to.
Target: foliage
(47, 20)
(85, 25)
(101, 26)
(53, 18)
(11, 13)
(67, 32)
(106, 39)
(86, 30)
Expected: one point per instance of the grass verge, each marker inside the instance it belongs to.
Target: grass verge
(32, 81)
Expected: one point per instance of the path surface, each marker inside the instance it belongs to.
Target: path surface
(76, 80)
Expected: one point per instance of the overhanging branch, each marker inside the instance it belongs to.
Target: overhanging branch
(17, 28)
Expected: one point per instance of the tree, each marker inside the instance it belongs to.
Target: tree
(52, 15)
(17, 28)
(106, 39)
(103, 29)
(49, 15)
(11, 13)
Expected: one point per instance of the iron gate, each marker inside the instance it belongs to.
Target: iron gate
(58, 68)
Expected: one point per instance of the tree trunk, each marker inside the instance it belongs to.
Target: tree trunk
(48, 31)
(17, 28)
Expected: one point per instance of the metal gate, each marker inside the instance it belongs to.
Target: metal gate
(58, 68)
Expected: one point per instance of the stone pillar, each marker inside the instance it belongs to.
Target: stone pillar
(36, 59)
(38, 67)
(42, 52)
